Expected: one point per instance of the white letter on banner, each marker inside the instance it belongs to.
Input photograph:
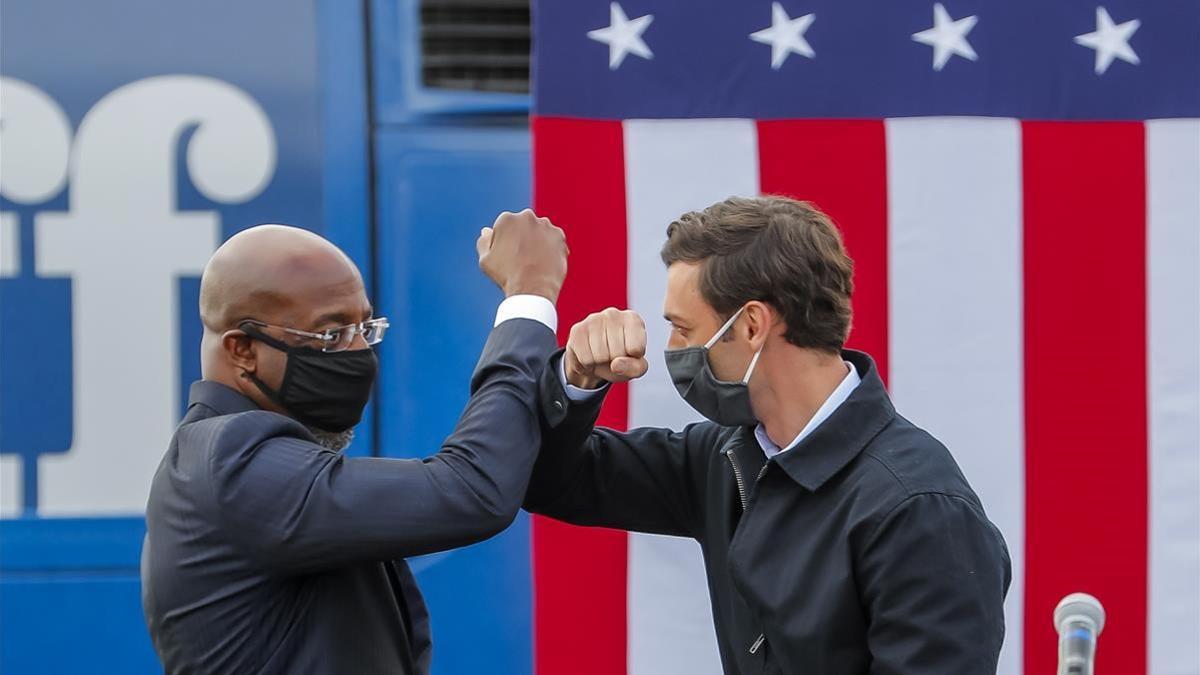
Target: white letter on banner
(125, 244)
(35, 143)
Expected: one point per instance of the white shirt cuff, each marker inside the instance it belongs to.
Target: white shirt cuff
(533, 307)
(575, 394)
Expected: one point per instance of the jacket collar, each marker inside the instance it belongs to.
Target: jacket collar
(218, 397)
(840, 438)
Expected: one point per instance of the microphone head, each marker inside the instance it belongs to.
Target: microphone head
(1079, 605)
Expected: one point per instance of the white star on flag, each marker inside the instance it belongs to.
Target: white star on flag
(948, 37)
(623, 36)
(786, 35)
(1111, 41)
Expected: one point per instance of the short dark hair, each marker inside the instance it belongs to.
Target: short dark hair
(777, 250)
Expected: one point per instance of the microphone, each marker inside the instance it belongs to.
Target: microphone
(1079, 618)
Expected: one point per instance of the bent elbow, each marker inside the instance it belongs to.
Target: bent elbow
(491, 514)
(493, 521)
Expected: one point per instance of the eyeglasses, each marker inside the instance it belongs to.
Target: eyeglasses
(336, 339)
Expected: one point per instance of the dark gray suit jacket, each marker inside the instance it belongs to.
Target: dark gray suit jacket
(266, 553)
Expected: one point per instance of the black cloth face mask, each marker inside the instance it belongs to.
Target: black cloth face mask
(726, 403)
(326, 390)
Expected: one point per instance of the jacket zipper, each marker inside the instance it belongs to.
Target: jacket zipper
(737, 477)
(741, 486)
(762, 637)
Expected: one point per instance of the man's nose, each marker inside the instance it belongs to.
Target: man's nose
(359, 342)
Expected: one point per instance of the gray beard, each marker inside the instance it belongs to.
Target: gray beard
(332, 440)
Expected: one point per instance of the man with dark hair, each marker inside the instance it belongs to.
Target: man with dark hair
(838, 538)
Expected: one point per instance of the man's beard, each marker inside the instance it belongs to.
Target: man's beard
(332, 440)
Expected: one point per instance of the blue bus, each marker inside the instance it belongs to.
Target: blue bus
(135, 136)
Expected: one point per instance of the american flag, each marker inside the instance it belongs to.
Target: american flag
(1019, 185)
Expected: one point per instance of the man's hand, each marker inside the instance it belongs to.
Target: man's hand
(524, 254)
(608, 346)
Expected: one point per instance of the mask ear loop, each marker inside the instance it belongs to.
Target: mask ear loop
(753, 363)
(254, 332)
(724, 329)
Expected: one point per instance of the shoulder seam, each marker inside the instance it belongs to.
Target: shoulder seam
(907, 490)
(884, 518)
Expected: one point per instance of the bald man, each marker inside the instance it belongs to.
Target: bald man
(269, 551)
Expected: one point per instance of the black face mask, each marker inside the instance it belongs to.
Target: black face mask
(726, 403)
(326, 390)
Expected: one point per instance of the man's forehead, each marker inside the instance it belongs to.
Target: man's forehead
(683, 278)
(336, 310)
(311, 305)
(683, 296)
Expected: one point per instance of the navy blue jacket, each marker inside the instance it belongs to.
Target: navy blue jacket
(861, 550)
(267, 553)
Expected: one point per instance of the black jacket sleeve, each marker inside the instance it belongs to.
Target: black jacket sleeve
(297, 507)
(933, 579)
(645, 480)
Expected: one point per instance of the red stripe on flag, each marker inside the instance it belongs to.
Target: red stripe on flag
(841, 166)
(580, 574)
(1085, 383)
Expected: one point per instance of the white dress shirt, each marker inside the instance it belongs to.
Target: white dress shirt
(533, 307)
(837, 398)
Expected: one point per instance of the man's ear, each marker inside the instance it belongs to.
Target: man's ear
(760, 319)
(240, 349)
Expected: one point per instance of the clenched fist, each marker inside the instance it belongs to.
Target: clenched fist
(524, 254)
(608, 346)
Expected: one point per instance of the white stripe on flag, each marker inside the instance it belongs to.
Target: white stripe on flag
(955, 310)
(671, 167)
(1173, 305)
